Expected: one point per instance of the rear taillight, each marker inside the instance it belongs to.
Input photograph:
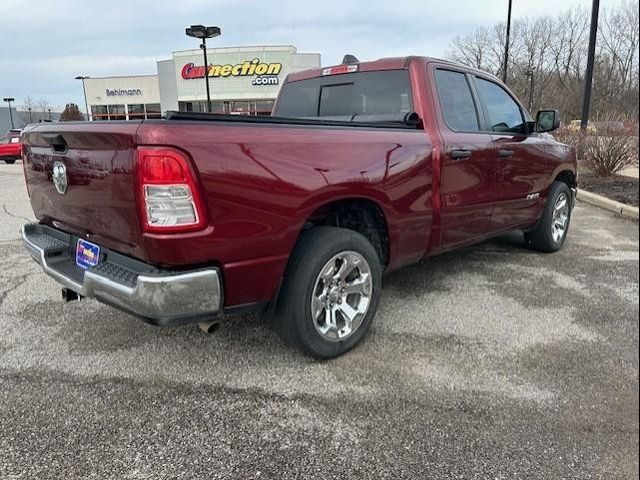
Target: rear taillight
(167, 192)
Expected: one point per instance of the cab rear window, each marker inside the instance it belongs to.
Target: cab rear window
(365, 96)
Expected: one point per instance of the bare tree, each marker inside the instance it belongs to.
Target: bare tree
(43, 105)
(547, 59)
(34, 110)
(26, 111)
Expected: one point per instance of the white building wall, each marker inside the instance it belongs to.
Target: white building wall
(239, 87)
(122, 90)
(167, 85)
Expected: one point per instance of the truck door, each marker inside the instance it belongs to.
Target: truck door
(522, 167)
(468, 181)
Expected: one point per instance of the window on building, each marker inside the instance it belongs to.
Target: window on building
(185, 106)
(117, 112)
(263, 107)
(456, 101)
(235, 107)
(136, 111)
(199, 106)
(217, 106)
(99, 112)
(153, 110)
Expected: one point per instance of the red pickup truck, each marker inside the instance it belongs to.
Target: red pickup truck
(10, 146)
(362, 169)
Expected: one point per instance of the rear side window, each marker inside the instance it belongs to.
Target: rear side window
(365, 96)
(504, 113)
(458, 108)
(298, 99)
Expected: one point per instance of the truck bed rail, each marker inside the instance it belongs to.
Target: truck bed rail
(407, 121)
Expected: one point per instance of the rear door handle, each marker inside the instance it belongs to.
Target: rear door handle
(460, 154)
(505, 153)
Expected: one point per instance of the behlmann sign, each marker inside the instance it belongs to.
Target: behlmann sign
(118, 92)
(264, 73)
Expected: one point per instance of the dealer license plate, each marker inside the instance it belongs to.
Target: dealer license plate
(87, 254)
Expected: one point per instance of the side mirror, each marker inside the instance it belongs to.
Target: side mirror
(547, 120)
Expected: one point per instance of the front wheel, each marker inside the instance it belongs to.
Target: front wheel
(330, 292)
(551, 231)
(10, 161)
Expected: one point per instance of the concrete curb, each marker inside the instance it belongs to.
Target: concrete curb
(621, 209)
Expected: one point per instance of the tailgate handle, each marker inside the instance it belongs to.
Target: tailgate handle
(57, 142)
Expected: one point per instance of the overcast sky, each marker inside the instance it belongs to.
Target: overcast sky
(44, 44)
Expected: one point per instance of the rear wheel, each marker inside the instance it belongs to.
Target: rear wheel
(10, 161)
(330, 292)
(551, 231)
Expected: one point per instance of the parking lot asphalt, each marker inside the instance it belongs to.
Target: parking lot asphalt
(493, 362)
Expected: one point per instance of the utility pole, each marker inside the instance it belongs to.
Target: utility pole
(505, 62)
(588, 78)
(529, 73)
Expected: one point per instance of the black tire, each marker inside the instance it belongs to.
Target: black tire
(293, 320)
(541, 237)
(10, 161)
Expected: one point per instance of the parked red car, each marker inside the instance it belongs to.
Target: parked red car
(364, 168)
(10, 146)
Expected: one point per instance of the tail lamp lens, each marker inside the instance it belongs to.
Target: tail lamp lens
(168, 194)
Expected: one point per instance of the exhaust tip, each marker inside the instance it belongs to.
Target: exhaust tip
(210, 327)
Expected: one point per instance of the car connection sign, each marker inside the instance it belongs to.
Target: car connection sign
(263, 73)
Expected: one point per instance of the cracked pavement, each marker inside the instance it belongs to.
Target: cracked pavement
(492, 362)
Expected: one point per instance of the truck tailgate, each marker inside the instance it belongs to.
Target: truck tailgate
(97, 161)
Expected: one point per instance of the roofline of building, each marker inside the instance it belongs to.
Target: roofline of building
(123, 76)
(247, 47)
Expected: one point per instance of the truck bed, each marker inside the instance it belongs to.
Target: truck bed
(261, 179)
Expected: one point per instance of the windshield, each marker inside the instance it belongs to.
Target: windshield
(383, 96)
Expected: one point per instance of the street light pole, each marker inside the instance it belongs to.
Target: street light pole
(203, 46)
(49, 110)
(84, 91)
(29, 110)
(505, 62)
(586, 100)
(201, 32)
(9, 100)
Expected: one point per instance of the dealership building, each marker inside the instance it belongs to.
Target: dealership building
(242, 81)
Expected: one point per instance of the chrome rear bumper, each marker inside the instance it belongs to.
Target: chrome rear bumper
(159, 296)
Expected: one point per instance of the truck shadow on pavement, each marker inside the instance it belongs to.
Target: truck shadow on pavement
(91, 328)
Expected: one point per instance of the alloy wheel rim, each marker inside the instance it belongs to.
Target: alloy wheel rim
(560, 217)
(341, 296)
